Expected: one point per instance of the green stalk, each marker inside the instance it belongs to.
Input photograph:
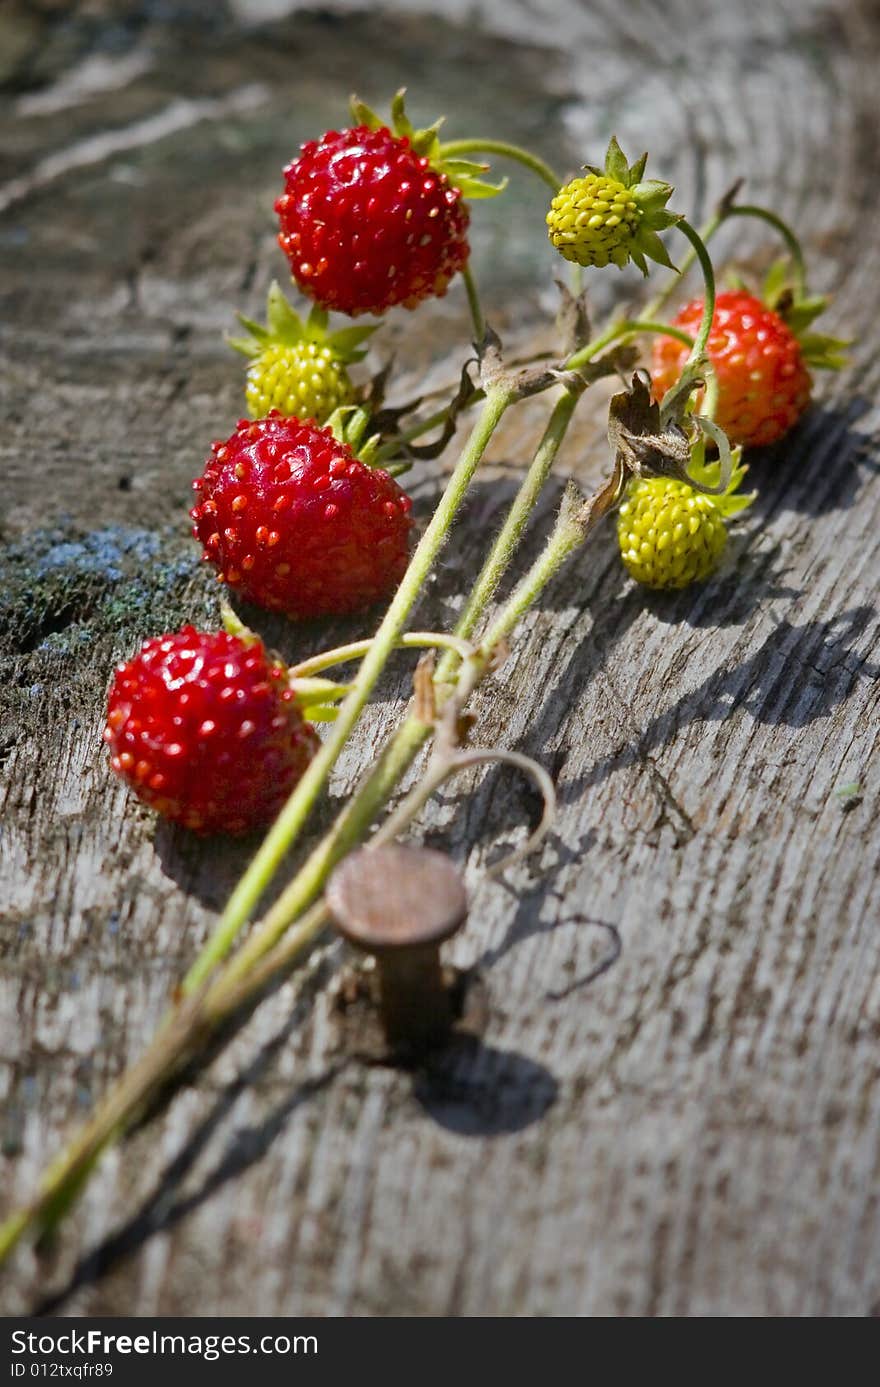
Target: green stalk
(341, 654)
(628, 327)
(284, 942)
(698, 350)
(794, 246)
(265, 954)
(473, 298)
(517, 517)
(293, 816)
(243, 977)
(456, 148)
(707, 231)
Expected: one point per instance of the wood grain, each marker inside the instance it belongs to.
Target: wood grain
(675, 1107)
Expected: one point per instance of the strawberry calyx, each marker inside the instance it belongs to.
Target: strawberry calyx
(798, 310)
(464, 174)
(707, 477)
(349, 424)
(650, 196)
(286, 328)
(314, 696)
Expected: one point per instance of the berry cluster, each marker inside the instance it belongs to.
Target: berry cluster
(296, 515)
(291, 510)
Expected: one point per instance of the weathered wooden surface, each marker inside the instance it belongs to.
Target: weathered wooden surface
(694, 1131)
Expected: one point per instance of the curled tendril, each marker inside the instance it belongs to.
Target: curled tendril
(725, 457)
(448, 763)
(478, 756)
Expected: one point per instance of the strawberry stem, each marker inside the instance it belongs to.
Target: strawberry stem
(795, 248)
(413, 732)
(695, 361)
(517, 516)
(707, 231)
(505, 150)
(356, 649)
(294, 922)
(630, 327)
(470, 284)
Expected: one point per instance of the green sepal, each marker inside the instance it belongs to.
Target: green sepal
(630, 175)
(734, 281)
(315, 697)
(616, 165)
(321, 712)
(649, 244)
(708, 474)
(824, 353)
(284, 327)
(368, 449)
(464, 168)
(234, 626)
(349, 424)
(652, 195)
(463, 174)
(400, 121)
(257, 341)
(346, 343)
(316, 324)
(425, 142)
(474, 188)
(778, 282)
(799, 312)
(284, 323)
(362, 114)
(637, 171)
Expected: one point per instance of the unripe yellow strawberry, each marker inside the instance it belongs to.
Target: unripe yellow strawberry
(592, 221)
(669, 534)
(304, 380)
(298, 367)
(610, 216)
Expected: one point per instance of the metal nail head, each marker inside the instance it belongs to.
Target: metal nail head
(399, 903)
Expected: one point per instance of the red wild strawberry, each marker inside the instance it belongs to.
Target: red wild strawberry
(373, 217)
(764, 385)
(205, 730)
(295, 522)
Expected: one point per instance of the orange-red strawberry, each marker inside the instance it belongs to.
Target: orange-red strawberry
(205, 730)
(296, 523)
(764, 385)
(374, 215)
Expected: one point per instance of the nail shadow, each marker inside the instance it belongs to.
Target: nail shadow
(477, 1090)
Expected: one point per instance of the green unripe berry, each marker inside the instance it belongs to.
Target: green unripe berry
(303, 379)
(669, 534)
(592, 221)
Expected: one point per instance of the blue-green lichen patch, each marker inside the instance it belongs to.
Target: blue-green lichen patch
(60, 588)
(72, 603)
